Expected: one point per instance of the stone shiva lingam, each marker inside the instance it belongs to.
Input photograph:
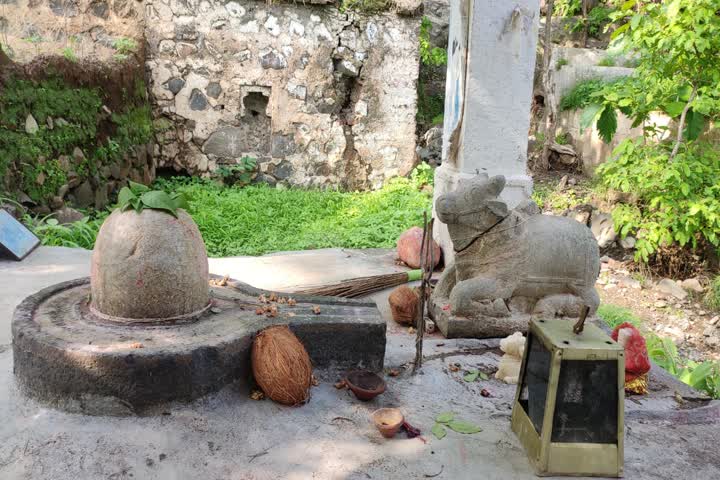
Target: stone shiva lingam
(509, 264)
(149, 326)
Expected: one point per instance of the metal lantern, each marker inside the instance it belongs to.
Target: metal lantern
(569, 405)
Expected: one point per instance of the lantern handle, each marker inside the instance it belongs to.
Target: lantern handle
(580, 325)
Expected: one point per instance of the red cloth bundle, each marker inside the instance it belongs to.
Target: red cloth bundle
(637, 362)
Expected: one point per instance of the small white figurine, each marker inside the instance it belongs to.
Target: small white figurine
(513, 347)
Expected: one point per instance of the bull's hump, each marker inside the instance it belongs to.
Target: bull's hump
(559, 250)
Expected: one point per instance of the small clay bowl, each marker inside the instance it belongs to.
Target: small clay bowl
(365, 384)
(388, 421)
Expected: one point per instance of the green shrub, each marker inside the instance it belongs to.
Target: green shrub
(712, 296)
(581, 94)
(125, 46)
(80, 234)
(561, 63)
(678, 200)
(607, 61)
(567, 8)
(238, 174)
(429, 55)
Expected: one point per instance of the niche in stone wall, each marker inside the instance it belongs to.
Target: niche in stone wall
(255, 121)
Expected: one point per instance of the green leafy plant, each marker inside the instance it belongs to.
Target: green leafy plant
(614, 315)
(567, 8)
(69, 54)
(429, 55)
(607, 61)
(238, 174)
(139, 197)
(447, 420)
(561, 63)
(125, 46)
(712, 296)
(678, 201)
(582, 94)
(678, 70)
(422, 175)
(79, 234)
(472, 375)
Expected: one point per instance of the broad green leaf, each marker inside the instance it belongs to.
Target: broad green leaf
(635, 21)
(607, 124)
(589, 114)
(439, 431)
(471, 376)
(619, 31)
(463, 427)
(138, 187)
(52, 221)
(180, 201)
(445, 417)
(628, 5)
(137, 204)
(159, 200)
(684, 93)
(484, 376)
(694, 125)
(674, 108)
(124, 196)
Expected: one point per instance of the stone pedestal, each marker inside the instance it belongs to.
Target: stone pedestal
(491, 61)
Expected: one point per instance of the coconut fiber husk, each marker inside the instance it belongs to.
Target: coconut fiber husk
(404, 303)
(281, 365)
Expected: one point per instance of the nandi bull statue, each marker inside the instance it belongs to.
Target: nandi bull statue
(509, 264)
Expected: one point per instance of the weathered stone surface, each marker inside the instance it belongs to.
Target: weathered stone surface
(409, 245)
(628, 243)
(31, 126)
(692, 285)
(283, 171)
(59, 346)
(68, 215)
(509, 264)
(84, 195)
(175, 84)
(273, 59)
(64, 8)
(198, 101)
(603, 229)
(149, 266)
(671, 288)
(282, 145)
(100, 9)
(213, 89)
(224, 143)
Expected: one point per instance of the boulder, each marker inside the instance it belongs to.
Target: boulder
(628, 243)
(409, 245)
(692, 285)
(68, 215)
(670, 287)
(31, 125)
(603, 229)
(149, 266)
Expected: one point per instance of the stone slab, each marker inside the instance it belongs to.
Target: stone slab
(66, 356)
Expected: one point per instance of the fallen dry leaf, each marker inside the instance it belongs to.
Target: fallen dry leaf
(259, 311)
(485, 393)
(272, 311)
(137, 345)
(454, 367)
(411, 330)
(315, 382)
(273, 297)
(316, 310)
(257, 395)
(340, 384)
(263, 299)
(394, 372)
(292, 302)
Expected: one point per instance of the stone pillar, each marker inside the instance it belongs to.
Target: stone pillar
(491, 63)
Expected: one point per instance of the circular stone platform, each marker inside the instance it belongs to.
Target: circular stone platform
(65, 355)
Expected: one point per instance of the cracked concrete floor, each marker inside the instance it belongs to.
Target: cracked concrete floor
(229, 436)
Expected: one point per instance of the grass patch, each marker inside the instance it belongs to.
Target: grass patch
(258, 219)
(712, 296)
(703, 376)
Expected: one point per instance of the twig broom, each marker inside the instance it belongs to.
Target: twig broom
(358, 287)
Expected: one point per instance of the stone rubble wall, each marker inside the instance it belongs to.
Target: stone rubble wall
(83, 29)
(318, 96)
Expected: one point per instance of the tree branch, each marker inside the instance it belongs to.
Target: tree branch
(547, 120)
(681, 124)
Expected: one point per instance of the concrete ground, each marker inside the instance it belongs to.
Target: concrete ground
(672, 434)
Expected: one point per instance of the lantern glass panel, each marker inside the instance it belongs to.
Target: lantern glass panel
(586, 406)
(535, 382)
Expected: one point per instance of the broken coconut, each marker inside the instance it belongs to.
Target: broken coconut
(404, 303)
